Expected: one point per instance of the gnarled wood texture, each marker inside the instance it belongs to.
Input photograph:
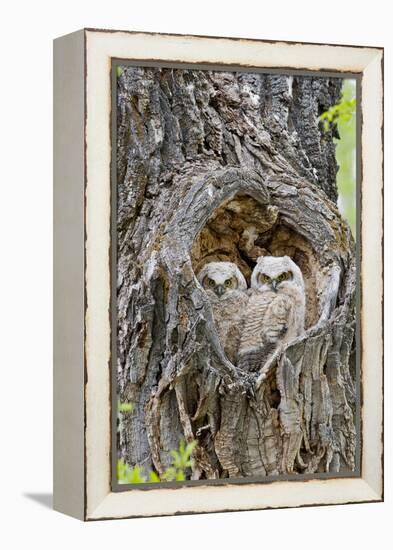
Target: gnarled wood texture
(229, 166)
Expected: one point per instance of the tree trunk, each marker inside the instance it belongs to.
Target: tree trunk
(228, 166)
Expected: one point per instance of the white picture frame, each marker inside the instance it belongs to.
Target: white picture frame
(82, 245)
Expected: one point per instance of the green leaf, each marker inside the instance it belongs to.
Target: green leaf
(182, 447)
(177, 461)
(125, 407)
(153, 477)
(180, 476)
(119, 71)
(121, 471)
(170, 474)
(125, 474)
(341, 112)
(181, 461)
(135, 475)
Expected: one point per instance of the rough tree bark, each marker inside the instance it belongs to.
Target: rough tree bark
(223, 165)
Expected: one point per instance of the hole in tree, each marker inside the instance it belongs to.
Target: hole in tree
(242, 229)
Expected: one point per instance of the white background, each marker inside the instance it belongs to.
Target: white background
(26, 272)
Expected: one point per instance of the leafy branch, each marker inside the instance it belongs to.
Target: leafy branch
(343, 115)
(181, 462)
(340, 113)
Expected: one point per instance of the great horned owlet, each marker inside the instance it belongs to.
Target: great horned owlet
(275, 311)
(226, 288)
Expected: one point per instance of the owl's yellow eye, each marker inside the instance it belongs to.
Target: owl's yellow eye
(228, 283)
(286, 276)
(265, 279)
(211, 283)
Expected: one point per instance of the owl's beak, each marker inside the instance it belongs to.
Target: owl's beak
(219, 290)
(274, 285)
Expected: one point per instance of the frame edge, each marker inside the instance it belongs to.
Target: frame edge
(68, 271)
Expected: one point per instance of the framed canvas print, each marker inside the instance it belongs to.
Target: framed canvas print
(218, 274)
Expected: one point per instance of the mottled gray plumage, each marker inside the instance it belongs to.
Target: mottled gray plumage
(226, 287)
(275, 311)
